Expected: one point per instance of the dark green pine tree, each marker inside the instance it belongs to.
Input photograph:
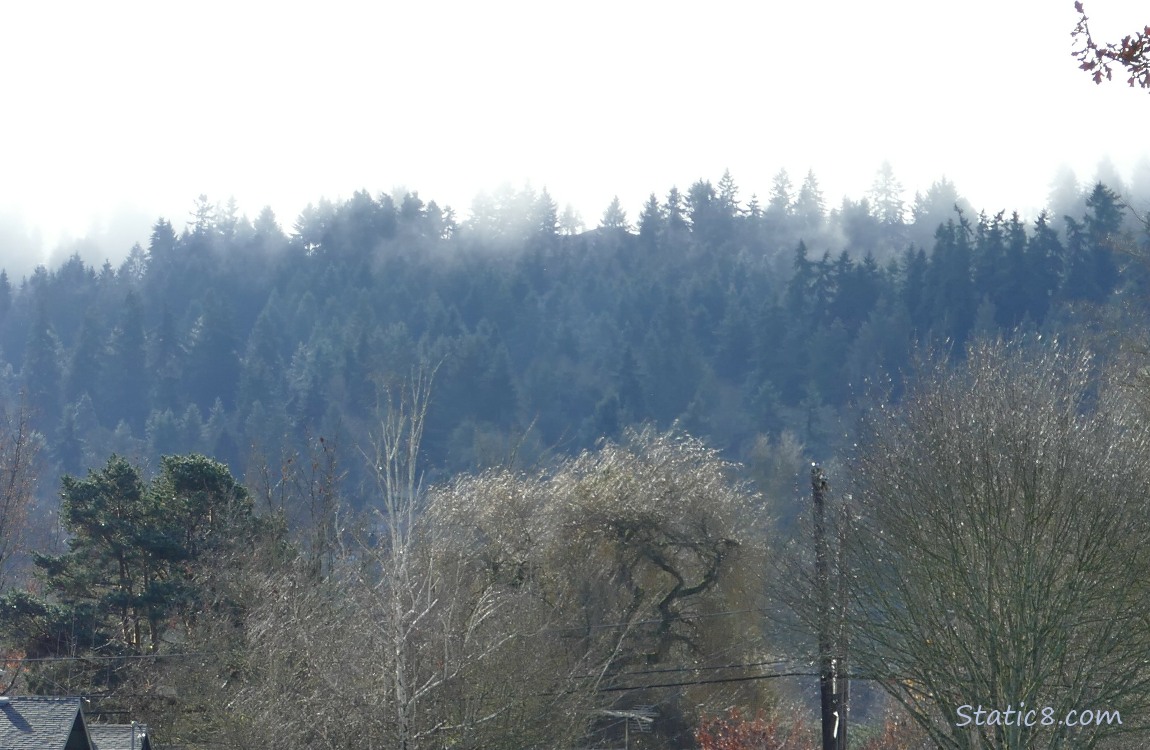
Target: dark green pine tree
(83, 373)
(706, 214)
(728, 196)
(615, 218)
(733, 339)
(674, 212)
(5, 295)
(166, 361)
(950, 291)
(632, 401)
(651, 223)
(989, 256)
(858, 287)
(117, 557)
(780, 204)
(262, 374)
(1103, 235)
(810, 207)
(126, 375)
(213, 363)
(208, 511)
(1080, 282)
(912, 290)
(267, 229)
(69, 448)
(1013, 291)
(139, 556)
(1044, 260)
(823, 289)
(544, 217)
(799, 302)
(886, 197)
(41, 373)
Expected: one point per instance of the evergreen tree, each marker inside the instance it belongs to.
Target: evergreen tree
(1012, 298)
(545, 216)
(203, 222)
(810, 208)
(166, 363)
(213, 364)
(1103, 229)
(42, 372)
(412, 210)
(914, 273)
(1044, 260)
(267, 229)
(704, 212)
(779, 204)
(674, 216)
(5, 295)
(162, 246)
(69, 450)
(728, 196)
(950, 291)
(651, 222)
(134, 269)
(754, 210)
(128, 384)
(83, 373)
(800, 287)
(615, 218)
(886, 197)
(137, 555)
(570, 222)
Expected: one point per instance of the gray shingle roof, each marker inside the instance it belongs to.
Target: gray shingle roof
(41, 723)
(118, 737)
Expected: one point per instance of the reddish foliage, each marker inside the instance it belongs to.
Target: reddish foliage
(734, 732)
(896, 734)
(1132, 53)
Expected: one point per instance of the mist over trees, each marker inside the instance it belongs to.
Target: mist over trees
(734, 315)
(570, 508)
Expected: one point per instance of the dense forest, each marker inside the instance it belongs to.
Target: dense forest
(651, 388)
(734, 318)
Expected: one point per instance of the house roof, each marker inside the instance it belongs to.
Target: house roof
(42, 723)
(119, 737)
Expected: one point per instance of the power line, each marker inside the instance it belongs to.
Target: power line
(744, 665)
(746, 678)
(673, 670)
(100, 657)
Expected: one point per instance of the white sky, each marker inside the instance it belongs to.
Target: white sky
(115, 113)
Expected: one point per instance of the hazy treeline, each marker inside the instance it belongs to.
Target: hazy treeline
(739, 318)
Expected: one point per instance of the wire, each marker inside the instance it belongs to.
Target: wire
(97, 657)
(673, 670)
(745, 665)
(747, 678)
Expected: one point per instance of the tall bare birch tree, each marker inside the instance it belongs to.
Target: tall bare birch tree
(18, 450)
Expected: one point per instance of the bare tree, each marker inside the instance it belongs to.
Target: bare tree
(504, 610)
(19, 446)
(398, 643)
(997, 559)
(640, 555)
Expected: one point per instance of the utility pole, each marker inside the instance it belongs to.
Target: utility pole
(832, 671)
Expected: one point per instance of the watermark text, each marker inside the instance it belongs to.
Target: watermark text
(1034, 717)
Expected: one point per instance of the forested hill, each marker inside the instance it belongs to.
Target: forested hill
(735, 318)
